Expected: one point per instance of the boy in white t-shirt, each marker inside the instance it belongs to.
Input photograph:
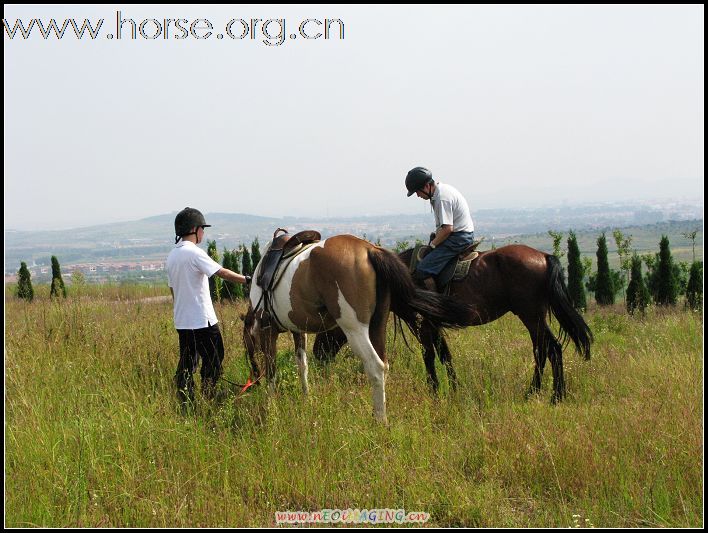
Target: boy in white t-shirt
(188, 271)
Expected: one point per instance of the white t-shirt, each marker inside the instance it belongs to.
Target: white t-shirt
(450, 207)
(188, 271)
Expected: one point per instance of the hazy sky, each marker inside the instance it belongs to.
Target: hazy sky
(517, 106)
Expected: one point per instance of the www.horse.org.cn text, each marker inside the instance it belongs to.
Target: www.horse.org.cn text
(270, 32)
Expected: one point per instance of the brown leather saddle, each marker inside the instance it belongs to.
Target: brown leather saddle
(282, 244)
(455, 270)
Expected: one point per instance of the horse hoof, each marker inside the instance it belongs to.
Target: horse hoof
(531, 392)
(557, 398)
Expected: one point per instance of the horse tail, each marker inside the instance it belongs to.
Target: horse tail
(407, 300)
(571, 322)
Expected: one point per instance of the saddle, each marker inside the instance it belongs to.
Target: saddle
(282, 250)
(282, 247)
(456, 269)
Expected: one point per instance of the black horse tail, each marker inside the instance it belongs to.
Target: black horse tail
(571, 322)
(407, 299)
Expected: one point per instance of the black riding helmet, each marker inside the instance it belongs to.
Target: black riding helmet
(187, 219)
(417, 178)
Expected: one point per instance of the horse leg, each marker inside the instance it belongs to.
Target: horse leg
(377, 336)
(374, 367)
(250, 343)
(301, 358)
(555, 354)
(545, 345)
(327, 344)
(428, 337)
(540, 352)
(360, 342)
(269, 351)
(446, 359)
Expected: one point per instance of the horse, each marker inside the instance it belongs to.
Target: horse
(347, 283)
(514, 278)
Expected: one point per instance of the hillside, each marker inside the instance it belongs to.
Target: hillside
(148, 241)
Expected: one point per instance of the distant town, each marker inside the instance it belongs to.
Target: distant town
(136, 250)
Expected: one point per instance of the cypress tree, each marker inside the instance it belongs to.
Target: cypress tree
(694, 290)
(24, 283)
(58, 286)
(575, 274)
(604, 290)
(692, 235)
(229, 289)
(624, 249)
(236, 262)
(557, 238)
(247, 265)
(637, 292)
(667, 285)
(255, 253)
(227, 286)
(214, 281)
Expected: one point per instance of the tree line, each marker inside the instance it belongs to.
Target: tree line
(242, 260)
(24, 282)
(662, 283)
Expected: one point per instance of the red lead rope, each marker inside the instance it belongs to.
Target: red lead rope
(247, 386)
(250, 383)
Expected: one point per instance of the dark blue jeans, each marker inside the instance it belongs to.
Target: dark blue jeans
(433, 263)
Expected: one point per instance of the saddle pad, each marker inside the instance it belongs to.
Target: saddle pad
(463, 266)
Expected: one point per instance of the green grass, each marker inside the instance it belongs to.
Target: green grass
(93, 436)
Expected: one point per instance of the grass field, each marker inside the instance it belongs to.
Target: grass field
(93, 436)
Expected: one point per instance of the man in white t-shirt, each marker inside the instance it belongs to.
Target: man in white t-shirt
(454, 229)
(188, 271)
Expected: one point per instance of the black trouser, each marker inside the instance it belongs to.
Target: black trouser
(204, 342)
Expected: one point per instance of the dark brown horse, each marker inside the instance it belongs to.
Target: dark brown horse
(347, 283)
(516, 279)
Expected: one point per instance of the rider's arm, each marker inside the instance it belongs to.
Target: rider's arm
(443, 233)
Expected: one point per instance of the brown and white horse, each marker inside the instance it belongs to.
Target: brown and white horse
(348, 283)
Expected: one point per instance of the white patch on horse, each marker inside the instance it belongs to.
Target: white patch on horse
(301, 358)
(358, 336)
(281, 296)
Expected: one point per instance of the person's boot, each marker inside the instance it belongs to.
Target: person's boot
(430, 285)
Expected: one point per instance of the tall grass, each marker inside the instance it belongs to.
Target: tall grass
(93, 436)
(106, 291)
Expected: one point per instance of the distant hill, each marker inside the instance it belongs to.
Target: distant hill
(152, 238)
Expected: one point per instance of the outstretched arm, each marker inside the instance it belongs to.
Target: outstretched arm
(230, 275)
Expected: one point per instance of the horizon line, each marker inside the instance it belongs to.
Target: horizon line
(645, 202)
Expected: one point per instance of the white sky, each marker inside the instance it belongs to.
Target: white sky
(515, 106)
